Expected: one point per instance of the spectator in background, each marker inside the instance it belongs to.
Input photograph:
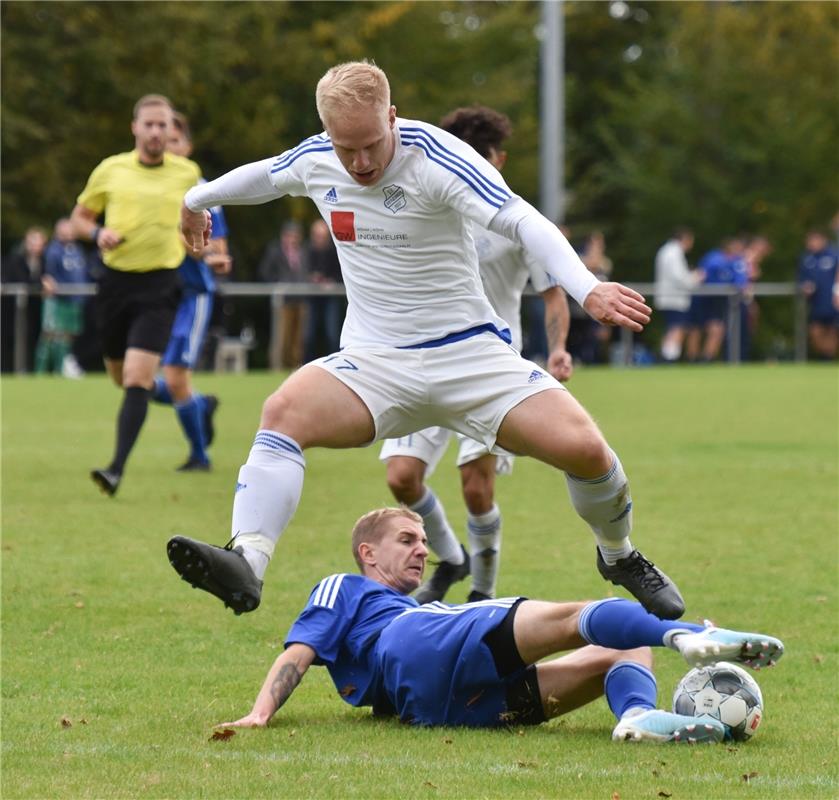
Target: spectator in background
(65, 262)
(818, 278)
(326, 312)
(24, 264)
(723, 266)
(284, 261)
(757, 248)
(674, 281)
(588, 340)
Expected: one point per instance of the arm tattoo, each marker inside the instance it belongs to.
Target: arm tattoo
(285, 683)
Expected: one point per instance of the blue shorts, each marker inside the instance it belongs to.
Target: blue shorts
(188, 331)
(707, 308)
(437, 668)
(675, 319)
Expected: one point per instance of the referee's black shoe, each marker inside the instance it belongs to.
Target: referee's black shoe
(646, 582)
(106, 480)
(221, 571)
(440, 582)
(211, 404)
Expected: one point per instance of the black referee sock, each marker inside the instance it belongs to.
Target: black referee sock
(132, 415)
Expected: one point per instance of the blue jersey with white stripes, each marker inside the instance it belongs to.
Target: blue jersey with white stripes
(341, 623)
(405, 244)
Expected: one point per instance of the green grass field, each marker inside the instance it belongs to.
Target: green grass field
(114, 671)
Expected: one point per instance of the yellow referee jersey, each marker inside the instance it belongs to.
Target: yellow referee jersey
(142, 203)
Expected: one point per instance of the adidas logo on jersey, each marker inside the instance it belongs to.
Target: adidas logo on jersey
(535, 376)
(331, 196)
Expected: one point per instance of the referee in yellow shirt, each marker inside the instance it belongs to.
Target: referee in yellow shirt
(139, 194)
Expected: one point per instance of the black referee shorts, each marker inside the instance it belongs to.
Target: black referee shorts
(136, 309)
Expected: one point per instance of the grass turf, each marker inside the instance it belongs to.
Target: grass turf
(114, 671)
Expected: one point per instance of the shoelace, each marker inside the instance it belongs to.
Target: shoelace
(647, 574)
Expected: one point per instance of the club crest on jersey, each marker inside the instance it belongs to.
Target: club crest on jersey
(394, 198)
(331, 196)
(343, 225)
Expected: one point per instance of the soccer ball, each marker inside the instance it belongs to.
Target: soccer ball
(725, 692)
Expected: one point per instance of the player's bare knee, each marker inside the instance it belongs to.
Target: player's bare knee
(405, 479)
(279, 414)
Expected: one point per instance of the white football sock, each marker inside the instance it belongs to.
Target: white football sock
(441, 538)
(267, 493)
(605, 504)
(484, 548)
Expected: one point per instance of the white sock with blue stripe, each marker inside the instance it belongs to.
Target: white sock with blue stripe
(484, 548)
(441, 537)
(605, 504)
(267, 493)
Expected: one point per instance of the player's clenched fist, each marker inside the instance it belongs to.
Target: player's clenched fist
(196, 229)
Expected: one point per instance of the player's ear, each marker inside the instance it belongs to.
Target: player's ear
(367, 554)
(391, 117)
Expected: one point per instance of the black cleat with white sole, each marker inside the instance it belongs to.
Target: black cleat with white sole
(221, 571)
(646, 582)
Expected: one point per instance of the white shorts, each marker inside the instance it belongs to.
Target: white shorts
(429, 445)
(466, 386)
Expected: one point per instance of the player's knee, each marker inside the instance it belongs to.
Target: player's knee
(592, 455)
(405, 479)
(478, 493)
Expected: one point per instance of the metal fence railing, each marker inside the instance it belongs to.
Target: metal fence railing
(277, 293)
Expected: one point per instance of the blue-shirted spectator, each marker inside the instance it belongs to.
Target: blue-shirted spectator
(65, 262)
(723, 266)
(818, 278)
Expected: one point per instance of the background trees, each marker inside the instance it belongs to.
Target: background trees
(723, 116)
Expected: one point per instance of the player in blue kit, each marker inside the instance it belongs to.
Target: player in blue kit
(195, 411)
(818, 278)
(721, 267)
(475, 664)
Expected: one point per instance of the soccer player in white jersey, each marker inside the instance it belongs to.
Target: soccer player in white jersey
(421, 345)
(505, 269)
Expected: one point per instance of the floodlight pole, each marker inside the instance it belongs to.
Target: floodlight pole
(552, 111)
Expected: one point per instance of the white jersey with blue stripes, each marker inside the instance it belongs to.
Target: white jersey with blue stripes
(505, 269)
(406, 245)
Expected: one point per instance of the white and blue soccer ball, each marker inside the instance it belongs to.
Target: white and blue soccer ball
(724, 692)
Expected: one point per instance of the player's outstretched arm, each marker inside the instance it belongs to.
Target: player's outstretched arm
(282, 679)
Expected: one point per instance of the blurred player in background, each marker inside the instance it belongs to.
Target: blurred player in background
(139, 193)
(421, 345)
(195, 411)
(475, 664)
(723, 266)
(505, 268)
(818, 278)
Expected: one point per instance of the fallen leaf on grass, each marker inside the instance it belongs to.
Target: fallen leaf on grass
(447, 741)
(79, 604)
(662, 793)
(527, 764)
(747, 776)
(615, 796)
(429, 784)
(817, 659)
(65, 722)
(222, 736)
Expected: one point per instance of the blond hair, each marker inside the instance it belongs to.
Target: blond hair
(151, 100)
(349, 86)
(372, 526)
